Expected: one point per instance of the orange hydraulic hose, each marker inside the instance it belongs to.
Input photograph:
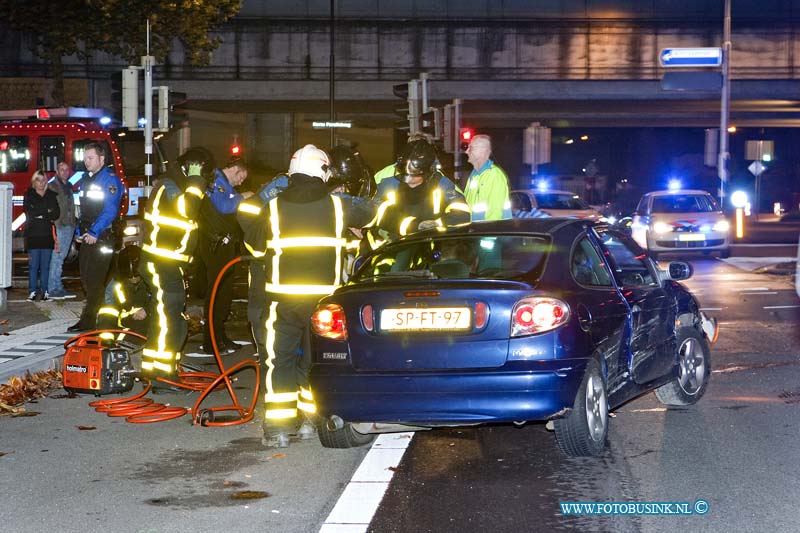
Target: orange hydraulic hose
(138, 410)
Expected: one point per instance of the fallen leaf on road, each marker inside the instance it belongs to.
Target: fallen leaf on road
(2, 454)
(25, 413)
(276, 456)
(250, 495)
(86, 428)
(4, 322)
(233, 484)
(392, 468)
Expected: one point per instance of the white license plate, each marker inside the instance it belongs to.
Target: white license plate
(437, 318)
(691, 236)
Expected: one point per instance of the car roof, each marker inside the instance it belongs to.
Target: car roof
(546, 191)
(549, 225)
(678, 191)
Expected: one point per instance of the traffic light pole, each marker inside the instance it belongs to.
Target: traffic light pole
(724, 155)
(457, 143)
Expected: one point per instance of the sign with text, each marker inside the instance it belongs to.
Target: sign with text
(327, 125)
(691, 57)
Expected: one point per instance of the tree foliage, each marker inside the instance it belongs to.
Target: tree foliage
(61, 28)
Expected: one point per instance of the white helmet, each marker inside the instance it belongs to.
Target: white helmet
(311, 161)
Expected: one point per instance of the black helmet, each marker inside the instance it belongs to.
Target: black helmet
(198, 156)
(127, 263)
(348, 168)
(418, 159)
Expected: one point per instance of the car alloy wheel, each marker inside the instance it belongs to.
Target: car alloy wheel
(596, 407)
(692, 366)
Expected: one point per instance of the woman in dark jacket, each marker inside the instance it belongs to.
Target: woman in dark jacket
(41, 209)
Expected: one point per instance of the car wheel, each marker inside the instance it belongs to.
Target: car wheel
(694, 362)
(584, 431)
(345, 437)
(724, 254)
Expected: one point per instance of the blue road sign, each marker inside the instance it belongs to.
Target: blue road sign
(691, 57)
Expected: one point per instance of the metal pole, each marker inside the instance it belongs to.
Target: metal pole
(457, 140)
(332, 82)
(724, 155)
(147, 65)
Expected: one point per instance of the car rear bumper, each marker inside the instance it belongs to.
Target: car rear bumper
(519, 391)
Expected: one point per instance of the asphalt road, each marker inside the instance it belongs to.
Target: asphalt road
(736, 449)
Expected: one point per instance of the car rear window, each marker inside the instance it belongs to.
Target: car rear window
(684, 203)
(458, 257)
(559, 201)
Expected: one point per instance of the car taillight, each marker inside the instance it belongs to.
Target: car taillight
(481, 314)
(367, 318)
(328, 321)
(537, 315)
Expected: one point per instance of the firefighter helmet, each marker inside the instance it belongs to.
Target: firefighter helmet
(311, 161)
(198, 156)
(349, 169)
(417, 160)
(127, 263)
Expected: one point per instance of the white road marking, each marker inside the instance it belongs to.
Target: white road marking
(781, 306)
(363, 494)
(768, 292)
(751, 289)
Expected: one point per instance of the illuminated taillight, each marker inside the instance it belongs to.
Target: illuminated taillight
(537, 315)
(367, 318)
(328, 321)
(481, 314)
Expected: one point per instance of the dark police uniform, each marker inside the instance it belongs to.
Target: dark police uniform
(100, 198)
(170, 241)
(220, 238)
(129, 297)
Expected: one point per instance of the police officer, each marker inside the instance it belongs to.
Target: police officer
(100, 198)
(220, 238)
(128, 310)
(422, 198)
(172, 211)
(301, 235)
(487, 186)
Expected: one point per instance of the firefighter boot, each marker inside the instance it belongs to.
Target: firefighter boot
(307, 429)
(275, 436)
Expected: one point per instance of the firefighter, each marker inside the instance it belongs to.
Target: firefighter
(220, 239)
(100, 199)
(419, 200)
(487, 186)
(301, 235)
(131, 301)
(172, 212)
(349, 170)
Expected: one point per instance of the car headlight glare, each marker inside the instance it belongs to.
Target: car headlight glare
(722, 225)
(661, 227)
(131, 231)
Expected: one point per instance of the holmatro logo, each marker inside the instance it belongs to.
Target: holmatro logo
(76, 368)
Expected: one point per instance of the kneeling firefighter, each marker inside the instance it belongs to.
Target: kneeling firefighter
(169, 245)
(301, 236)
(129, 309)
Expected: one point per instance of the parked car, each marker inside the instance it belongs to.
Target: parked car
(549, 319)
(681, 221)
(555, 203)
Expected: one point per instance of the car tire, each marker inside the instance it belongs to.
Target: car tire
(584, 431)
(694, 362)
(724, 254)
(345, 437)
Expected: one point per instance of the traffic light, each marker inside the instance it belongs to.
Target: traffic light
(464, 137)
(410, 113)
(432, 120)
(125, 96)
(236, 148)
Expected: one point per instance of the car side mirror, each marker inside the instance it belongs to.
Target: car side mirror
(679, 270)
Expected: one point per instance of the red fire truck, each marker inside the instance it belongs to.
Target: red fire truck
(40, 138)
